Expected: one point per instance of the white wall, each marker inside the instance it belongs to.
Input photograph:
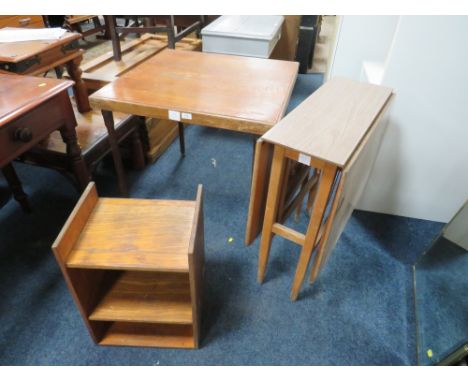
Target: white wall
(362, 38)
(422, 167)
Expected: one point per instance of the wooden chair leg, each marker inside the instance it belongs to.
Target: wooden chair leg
(324, 190)
(181, 138)
(16, 188)
(271, 209)
(138, 153)
(119, 168)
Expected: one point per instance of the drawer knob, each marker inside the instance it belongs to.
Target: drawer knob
(23, 134)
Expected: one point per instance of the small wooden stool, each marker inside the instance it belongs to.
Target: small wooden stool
(336, 131)
(135, 268)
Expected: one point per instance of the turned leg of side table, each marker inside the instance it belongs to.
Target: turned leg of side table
(78, 164)
(119, 168)
(15, 186)
(81, 93)
(68, 134)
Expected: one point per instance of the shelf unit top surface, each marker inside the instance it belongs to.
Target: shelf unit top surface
(135, 234)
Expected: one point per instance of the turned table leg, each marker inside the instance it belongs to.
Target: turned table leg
(15, 186)
(68, 134)
(81, 93)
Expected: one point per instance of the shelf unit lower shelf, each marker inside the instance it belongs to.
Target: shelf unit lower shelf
(150, 335)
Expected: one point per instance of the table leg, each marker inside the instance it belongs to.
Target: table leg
(181, 138)
(271, 209)
(321, 257)
(110, 24)
(68, 134)
(81, 92)
(109, 122)
(318, 211)
(15, 186)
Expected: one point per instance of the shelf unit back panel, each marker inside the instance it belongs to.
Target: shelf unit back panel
(152, 297)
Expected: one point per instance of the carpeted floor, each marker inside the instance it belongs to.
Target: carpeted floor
(441, 309)
(360, 312)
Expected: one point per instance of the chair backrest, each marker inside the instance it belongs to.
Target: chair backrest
(150, 25)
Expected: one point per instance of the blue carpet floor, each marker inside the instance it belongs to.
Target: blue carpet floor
(359, 312)
(441, 309)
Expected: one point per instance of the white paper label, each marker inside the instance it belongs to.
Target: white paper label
(186, 116)
(304, 159)
(174, 115)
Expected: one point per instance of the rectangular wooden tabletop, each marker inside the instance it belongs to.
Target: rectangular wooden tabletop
(232, 92)
(330, 124)
(19, 94)
(19, 51)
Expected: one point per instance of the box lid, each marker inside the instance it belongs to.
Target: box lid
(252, 27)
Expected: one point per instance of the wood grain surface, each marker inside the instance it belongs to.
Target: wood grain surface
(20, 94)
(135, 234)
(150, 335)
(330, 124)
(233, 92)
(19, 51)
(153, 297)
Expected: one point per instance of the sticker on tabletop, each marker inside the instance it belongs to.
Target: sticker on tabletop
(186, 115)
(174, 115)
(304, 159)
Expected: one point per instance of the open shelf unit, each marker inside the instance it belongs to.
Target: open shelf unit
(135, 268)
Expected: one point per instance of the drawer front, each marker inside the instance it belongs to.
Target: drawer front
(23, 21)
(23, 133)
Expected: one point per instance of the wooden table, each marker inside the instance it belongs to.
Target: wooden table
(30, 109)
(337, 132)
(37, 57)
(243, 94)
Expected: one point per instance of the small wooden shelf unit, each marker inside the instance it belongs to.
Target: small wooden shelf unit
(135, 268)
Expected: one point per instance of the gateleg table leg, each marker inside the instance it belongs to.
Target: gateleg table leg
(271, 209)
(318, 211)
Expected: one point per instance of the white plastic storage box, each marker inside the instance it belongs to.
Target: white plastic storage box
(254, 36)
